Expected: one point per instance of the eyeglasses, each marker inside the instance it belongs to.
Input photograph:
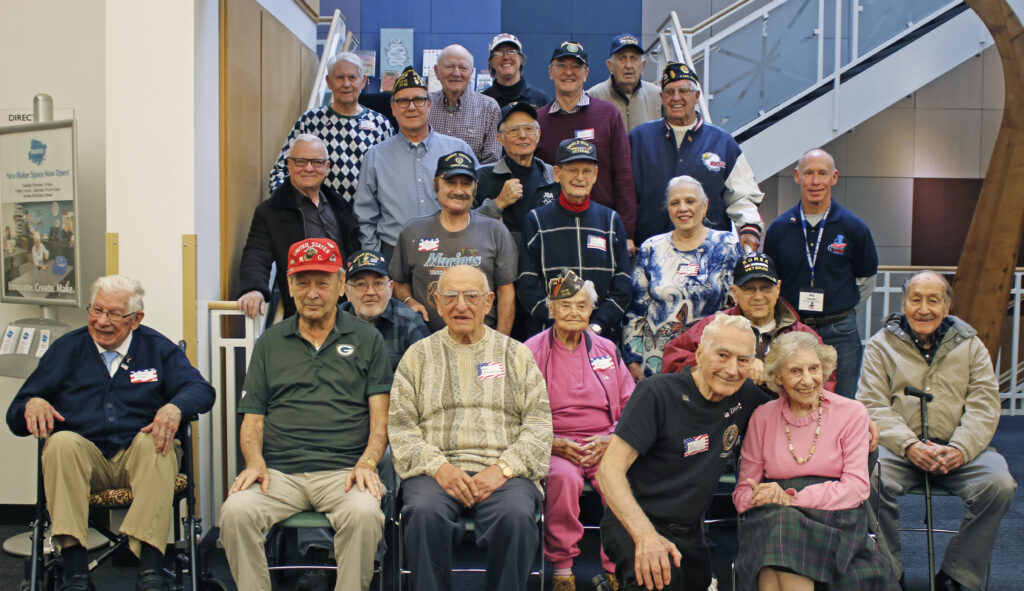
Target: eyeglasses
(472, 297)
(403, 103)
(504, 52)
(362, 286)
(522, 129)
(575, 171)
(302, 162)
(678, 91)
(98, 313)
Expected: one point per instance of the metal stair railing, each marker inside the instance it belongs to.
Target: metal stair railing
(338, 40)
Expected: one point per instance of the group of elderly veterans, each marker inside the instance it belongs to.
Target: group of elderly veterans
(518, 295)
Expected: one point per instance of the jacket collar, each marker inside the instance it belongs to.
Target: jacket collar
(286, 197)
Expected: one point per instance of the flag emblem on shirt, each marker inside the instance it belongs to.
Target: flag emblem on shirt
(143, 375)
(494, 369)
(429, 244)
(604, 362)
(695, 445)
(689, 270)
(597, 243)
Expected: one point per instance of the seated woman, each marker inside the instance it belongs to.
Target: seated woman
(587, 385)
(803, 481)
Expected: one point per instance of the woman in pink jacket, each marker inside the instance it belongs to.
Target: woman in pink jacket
(588, 384)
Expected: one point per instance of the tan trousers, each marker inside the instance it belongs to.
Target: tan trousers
(355, 516)
(73, 468)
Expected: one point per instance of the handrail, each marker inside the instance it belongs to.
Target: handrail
(704, 23)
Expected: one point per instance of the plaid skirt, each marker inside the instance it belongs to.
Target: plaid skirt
(831, 547)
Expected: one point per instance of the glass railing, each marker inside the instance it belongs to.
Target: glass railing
(786, 49)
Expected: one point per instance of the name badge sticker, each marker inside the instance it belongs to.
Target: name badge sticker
(695, 445)
(486, 371)
(368, 125)
(602, 363)
(143, 375)
(585, 134)
(688, 270)
(429, 244)
(812, 300)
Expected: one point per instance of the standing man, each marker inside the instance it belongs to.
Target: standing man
(463, 113)
(510, 187)
(925, 347)
(577, 234)
(506, 61)
(314, 427)
(455, 236)
(659, 473)
(576, 115)
(827, 263)
(683, 144)
(395, 181)
(347, 128)
(109, 399)
(368, 288)
(470, 430)
(637, 100)
(301, 207)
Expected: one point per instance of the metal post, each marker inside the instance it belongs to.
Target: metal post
(42, 112)
(837, 64)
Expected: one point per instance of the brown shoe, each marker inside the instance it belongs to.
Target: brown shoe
(564, 583)
(612, 581)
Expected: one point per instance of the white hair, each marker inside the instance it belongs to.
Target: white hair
(346, 56)
(309, 138)
(682, 180)
(721, 321)
(120, 284)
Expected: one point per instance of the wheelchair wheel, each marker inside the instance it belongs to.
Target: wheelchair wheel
(208, 583)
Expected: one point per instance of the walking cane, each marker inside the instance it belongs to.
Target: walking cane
(925, 399)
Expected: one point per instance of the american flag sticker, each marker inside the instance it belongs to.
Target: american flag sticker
(494, 369)
(695, 445)
(599, 363)
(429, 244)
(597, 242)
(143, 375)
(688, 270)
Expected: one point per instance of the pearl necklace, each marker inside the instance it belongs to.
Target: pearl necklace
(814, 444)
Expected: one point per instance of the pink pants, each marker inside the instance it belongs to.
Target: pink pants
(562, 527)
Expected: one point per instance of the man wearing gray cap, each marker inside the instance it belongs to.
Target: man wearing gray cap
(454, 236)
(506, 62)
(637, 100)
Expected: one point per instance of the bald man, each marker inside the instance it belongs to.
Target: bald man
(463, 113)
(827, 262)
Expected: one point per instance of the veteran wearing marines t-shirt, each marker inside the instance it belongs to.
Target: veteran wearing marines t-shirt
(671, 444)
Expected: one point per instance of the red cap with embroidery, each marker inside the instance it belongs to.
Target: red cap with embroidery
(314, 254)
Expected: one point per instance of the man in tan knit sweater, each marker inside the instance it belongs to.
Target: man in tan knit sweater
(470, 431)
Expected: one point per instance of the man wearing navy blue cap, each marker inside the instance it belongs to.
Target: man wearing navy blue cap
(638, 101)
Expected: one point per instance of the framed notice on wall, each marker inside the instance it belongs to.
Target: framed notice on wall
(38, 214)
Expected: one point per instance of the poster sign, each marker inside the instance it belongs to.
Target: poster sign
(38, 209)
(395, 49)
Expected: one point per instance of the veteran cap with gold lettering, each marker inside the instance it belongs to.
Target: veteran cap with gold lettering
(575, 149)
(455, 164)
(675, 71)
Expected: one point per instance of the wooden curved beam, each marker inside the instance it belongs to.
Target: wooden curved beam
(985, 272)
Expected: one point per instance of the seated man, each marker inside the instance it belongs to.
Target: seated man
(755, 287)
(659, 473)
(110, 397)
(927, 348)
(368, 289)
(470, 429)
(315, 405)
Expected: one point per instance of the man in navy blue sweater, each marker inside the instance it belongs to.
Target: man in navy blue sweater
(109, 398)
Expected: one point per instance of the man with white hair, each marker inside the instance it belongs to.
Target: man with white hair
(659, 473)
(109, 399)
(463, 113)
(347, 128)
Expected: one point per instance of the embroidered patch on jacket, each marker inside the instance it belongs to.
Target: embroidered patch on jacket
(597, 243)
(838, 245)
(712, 161)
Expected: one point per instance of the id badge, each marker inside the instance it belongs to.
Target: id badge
(812, 300)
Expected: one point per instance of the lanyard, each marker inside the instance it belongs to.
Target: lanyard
(812, 259)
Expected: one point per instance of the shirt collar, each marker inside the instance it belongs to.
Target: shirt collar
(583, 101)
(122, 349)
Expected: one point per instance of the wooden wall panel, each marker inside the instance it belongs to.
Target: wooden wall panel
(280, 90)
(308, 63)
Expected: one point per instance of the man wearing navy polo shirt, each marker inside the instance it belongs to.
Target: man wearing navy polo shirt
(109, 399)
(827, 263)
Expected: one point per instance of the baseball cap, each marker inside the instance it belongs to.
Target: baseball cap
(366, 260)
(570, 49)
(314, 254)
(756, 265)
(504, 38)
(455, 164)
(623, 41)
(517, 107)
(675, 71)
(575, 149)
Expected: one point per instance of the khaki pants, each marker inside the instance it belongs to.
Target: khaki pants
(73, 468)
(355, 516)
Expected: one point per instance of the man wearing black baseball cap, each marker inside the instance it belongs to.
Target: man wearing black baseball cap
(506, 62)
(576, 115)
(455, 236)
(575, 233)
(637, 100)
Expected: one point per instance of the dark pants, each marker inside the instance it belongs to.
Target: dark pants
(693, 575)
(505, 524)
(843, 335)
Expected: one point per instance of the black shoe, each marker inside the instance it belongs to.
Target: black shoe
(151, 580)
(312, 580)
(77, 583)
(944, 582)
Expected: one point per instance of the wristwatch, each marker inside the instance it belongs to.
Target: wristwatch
(506, 470)
(596, 328)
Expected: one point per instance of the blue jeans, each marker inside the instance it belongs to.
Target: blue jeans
(843, 335)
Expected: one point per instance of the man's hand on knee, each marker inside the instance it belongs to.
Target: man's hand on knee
(366, 479)
(250, 475)
(652, 560)
(164, 427)
(39, 417)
